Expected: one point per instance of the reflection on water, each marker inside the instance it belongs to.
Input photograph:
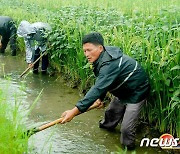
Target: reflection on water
(81, 135)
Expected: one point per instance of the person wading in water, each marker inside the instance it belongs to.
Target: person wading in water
(120, 75)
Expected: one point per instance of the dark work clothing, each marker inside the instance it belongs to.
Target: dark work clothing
(44, 62)
(128, 114)
(8, 33)
(126, 80)
(119, 74)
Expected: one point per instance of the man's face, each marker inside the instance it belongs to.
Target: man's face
(92, 52)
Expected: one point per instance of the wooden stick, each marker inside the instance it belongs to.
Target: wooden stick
(32, 64)
(52, 123)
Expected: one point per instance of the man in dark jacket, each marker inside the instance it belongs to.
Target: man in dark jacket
(8, 33)
(120, 75)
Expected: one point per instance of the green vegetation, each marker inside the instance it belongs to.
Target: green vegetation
(11, 140)
(146, 30)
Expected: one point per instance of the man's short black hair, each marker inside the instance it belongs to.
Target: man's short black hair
(94, 38)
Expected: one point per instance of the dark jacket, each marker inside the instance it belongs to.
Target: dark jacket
(7, 26)
(119, 74)
(8, 33)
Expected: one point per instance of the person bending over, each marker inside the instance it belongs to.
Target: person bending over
(120, 75)
(8, 34)
(36, 42)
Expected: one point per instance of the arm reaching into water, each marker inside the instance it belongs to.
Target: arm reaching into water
(70, 114)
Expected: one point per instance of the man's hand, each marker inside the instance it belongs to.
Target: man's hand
(97, 104)
(30, 65)
(69, 115)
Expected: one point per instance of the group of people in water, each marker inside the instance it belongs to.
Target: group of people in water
(34, 39)
(115, 72)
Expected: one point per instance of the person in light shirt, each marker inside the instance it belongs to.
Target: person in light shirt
(36, 43)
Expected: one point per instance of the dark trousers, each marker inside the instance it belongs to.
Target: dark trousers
(45, 62)
(128, 113)
(9, 36)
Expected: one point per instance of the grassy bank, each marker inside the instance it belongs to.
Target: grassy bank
(146, 30)
(11, 140)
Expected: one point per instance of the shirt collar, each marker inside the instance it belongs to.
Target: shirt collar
(99, 59)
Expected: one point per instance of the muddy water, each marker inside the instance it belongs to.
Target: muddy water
(80, 136)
